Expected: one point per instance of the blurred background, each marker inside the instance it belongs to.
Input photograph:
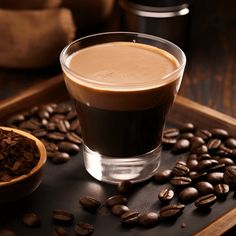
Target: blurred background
(34, 32)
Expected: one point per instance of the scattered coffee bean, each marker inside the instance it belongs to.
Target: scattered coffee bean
(68, 147)
(205, 201)
(227, 161)
(182, 145)
(180, 181)
(83, 229)
(215, 177)
(213, 145)
(195, 143)
(166, 195)
(197, 176)
(180, 169)
(191, 164)
(31, 220)
(162, 176)
(230, 143)
(119, 210)
(56, 136)
(203, 165)
(221, 189)
(63, 126)
(74, 138)
(204, 187)
(187, 136)
(62, 217)
(204, 134)
(230, 175)
(188, 195)
(116, 200)
(89, 203)
(129, 218)
(148, 219)
(172, 210)
(124, 186)
(187, 127)
(59, 231)
(60, 157)
(220, 133)
(171, 133)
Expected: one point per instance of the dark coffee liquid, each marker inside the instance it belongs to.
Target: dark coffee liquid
(122, 133)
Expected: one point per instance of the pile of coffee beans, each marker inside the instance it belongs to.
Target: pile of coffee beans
(56, 125)
(18, 155)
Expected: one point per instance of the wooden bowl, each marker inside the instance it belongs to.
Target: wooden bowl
(23, 185)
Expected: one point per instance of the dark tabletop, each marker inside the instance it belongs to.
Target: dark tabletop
(210, 76)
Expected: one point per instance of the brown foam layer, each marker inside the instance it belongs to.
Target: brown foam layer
(121, 75)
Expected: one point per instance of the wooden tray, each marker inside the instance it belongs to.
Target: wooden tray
(64, 184)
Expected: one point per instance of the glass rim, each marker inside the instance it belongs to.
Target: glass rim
(108, 85)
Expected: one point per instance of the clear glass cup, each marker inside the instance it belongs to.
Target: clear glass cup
(122, 124)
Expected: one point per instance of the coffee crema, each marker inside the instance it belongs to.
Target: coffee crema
(122, 93)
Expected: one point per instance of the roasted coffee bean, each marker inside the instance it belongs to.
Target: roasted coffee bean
(166, 195)
(191, 164)
(171, 210)
(56, 118)
(204, 156)
(186, 136)
(192, 156)
(75, 125)
(116, 200)
(167, 143)
(56, 136)
(180, 181)
(187, 127)
(204, 187)
(215, 177)
(205, 201)
(50, 146)
(83, 229)
(47, 107)
(188, 195)
(205, 164)
(62, 217)
(227, 161)
(124, 186)
(180, 169)
(7, 232)
(72, 115)
(16, 119)
(119, 210)
(43, 114)
(182, 145)
(162, 176)
(60, 157)
(197, 176)
(204, 134)
(63, 108)
(129, 218)
(74, 138)
(171, 133)
(230, 143)
(89, 203)
(213, 145)
(196, 142)
(68, 147)
(224, 151)
(50, 126)
(63, 126)
(30, 125)
(148, 219)
(221, 190)
(59, 231)
(230, 175)
(200, 150)
(31, 220)
(217, 168)
(39, 133)
(219, 133)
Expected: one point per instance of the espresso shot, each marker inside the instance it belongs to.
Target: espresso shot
(122, 93)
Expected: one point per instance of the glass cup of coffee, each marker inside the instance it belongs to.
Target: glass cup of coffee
(123, 85)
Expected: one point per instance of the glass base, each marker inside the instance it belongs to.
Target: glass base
(116, 169)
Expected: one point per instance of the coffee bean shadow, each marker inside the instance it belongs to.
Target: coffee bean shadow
(201, 212)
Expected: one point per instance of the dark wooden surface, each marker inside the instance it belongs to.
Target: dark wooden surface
(210, 77)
